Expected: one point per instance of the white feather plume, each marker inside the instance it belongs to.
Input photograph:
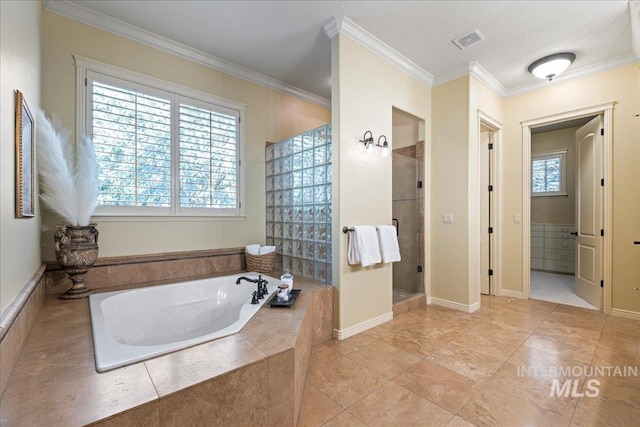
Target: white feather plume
(85, 180)
(67, 173)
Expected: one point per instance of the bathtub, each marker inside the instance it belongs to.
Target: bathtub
(138, 324)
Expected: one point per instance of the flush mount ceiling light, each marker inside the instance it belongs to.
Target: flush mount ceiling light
(552, 65)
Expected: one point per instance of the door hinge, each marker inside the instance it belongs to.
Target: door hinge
(491, 188)
(602, 283)
(490, 230)
(602, 232)
(602, 182)
(491, 146)
(419, 269)
(85, 81)
(602, 131)
(490, 272)
(419, 184)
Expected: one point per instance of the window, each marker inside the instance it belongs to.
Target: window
(548, 174)
(161, 149)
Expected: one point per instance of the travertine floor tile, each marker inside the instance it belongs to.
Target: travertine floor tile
(384, 359)
(605, 411)
(439, 385)
(317, 408)
(491, 407)
(345, 419)
(393, 404)
(466, 361)
(345, 381)
(492, 367)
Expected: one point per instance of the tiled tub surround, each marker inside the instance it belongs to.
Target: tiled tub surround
(16, 323)
(298, 193)
(255, 377)
(126, 270)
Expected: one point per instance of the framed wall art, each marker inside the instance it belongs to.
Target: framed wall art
(25, 156)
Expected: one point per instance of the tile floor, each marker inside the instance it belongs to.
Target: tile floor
(440, 367)
(399, 295)
(554, 287)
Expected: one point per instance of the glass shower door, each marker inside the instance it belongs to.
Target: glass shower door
(405, 208)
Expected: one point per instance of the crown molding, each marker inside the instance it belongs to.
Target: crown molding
(346, 27)
(634, 14)
(480, 73)
(610, 64)
(476, 70)
(451, 75)
(120, 28)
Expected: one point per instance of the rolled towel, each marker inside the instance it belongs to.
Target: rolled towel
(252, 249)
(388, 239)
(266, 250)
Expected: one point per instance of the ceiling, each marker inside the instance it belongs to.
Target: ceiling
(285, 40)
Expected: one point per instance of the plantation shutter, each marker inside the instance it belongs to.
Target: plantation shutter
(208, 164)
(131, 132)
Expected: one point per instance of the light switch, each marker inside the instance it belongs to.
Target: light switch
(447, 218)
(516, 219)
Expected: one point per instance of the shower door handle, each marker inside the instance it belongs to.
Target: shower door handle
(397, 226)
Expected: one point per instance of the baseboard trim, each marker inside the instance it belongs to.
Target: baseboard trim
(341, 334)
(512, 294)
(428, 299)
(455, 305)
(627, 314)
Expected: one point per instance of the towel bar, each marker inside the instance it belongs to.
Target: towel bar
(346, 229)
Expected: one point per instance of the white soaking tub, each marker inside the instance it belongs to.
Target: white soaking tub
(138, 324)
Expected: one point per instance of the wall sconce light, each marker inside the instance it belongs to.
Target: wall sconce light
(386, 152)
(367, 141)
(552, 65)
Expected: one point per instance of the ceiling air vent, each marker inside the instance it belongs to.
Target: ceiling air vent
(468, 39)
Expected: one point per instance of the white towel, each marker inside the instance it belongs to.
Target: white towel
(389, 248)
(252, 249)
(363, 246)
(266, 250)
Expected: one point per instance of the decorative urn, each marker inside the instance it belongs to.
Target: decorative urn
(76, 250)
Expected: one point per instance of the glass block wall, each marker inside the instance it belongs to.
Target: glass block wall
(298, 188)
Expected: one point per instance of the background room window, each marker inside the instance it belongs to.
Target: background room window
(548, 176)
(162, 152)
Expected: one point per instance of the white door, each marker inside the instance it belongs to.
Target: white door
(589, 192)
(485, 212)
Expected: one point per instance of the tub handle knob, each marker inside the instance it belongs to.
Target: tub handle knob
(254, 299)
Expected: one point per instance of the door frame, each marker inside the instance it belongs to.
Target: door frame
(606, 110)
(486, 121)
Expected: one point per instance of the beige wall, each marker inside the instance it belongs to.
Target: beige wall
(362, 183)
(406, 129)
(619, 85)
(19, 70)
(560, 209)
(270, 116)
(449, 177)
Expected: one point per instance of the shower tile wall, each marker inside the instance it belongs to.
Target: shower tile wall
(298, 189)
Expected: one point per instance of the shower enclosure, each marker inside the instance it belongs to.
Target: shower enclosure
(406, 204)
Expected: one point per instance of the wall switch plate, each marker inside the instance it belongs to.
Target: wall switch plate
(447, 218)
(516, 219)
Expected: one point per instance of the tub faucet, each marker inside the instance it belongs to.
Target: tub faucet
(247, 279)
(262, 285)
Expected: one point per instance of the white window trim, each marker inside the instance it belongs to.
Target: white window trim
(563, 172)
(182, 93)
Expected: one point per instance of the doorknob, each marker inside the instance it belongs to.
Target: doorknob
(575, 233)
